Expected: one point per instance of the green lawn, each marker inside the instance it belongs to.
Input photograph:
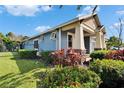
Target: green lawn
(15, 72)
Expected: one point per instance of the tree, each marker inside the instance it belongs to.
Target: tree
(11, 36)
(1, 36)
(112, 42)
(119, 29)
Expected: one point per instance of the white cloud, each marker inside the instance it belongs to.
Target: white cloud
(46, 8)
(120, 12)
(42, 28)
(25, 10)
(88, 10)
(116, 25)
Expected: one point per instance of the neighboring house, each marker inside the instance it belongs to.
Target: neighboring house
(84, 32)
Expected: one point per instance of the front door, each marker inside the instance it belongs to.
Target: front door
(70, 40)
(87, 44)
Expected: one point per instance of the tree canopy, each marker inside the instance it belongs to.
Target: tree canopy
(10, 41)
(113, 42)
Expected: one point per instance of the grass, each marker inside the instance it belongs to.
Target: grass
(21, 73)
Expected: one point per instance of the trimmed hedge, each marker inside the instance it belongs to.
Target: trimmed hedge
(45, 55)
(73, 77)
(27, 54)
(99, 54)
(110, 71)
(115, 55)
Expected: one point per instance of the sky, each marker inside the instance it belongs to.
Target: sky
(32, 20)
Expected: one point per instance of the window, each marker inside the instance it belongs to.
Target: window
(53, 36)
(70, 41)
(36, 45)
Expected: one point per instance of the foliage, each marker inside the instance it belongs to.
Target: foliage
(45, 55)
(1, 47)
(11, 41)
(27, 54)
(74, 77)
(69, 57)
(112, 42)
(98, 54)
(115, 54)
(110, 71)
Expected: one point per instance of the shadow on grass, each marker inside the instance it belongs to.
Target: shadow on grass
(29, 70)
(26, 65)
(12, 80)
(18, 80)
(9, 80)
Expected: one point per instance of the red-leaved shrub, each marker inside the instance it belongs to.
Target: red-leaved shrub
(116, 55)
(69, 57)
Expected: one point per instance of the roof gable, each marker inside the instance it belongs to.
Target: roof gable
(92, 22)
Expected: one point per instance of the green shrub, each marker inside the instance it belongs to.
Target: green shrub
(98, 54)
(27, 54)
(74, 77)
(45, 56)
(110, 71)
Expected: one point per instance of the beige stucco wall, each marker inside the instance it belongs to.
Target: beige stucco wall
(91, 23)
(98, 40)
(70, 26)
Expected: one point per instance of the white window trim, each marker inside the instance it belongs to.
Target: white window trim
(51, 36)
(92, 41)
(72, 34)
(33, 43)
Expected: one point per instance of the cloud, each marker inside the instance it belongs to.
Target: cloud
(42, 28)
(46, 8)
(26, 10)
(88, 10)
(116, 25)
(120, 12)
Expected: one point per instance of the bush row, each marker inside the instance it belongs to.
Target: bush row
(27, 54)
(45, 55)
(116, 55)
(107, 54)
(69, 77)
(100, 73)
(110, 71)
(99, 54)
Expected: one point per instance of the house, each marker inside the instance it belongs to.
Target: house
(84, 32)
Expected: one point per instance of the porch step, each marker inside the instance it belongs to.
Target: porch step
(87, 57)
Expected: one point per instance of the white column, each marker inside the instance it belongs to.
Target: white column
(103, 41)
(59, 39)
(98, 40)
(79, 37)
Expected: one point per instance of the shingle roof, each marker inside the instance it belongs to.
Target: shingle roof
(65, 23)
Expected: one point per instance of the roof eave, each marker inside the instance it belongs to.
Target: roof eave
(63, 24)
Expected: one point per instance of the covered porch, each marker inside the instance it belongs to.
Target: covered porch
(80, 36)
